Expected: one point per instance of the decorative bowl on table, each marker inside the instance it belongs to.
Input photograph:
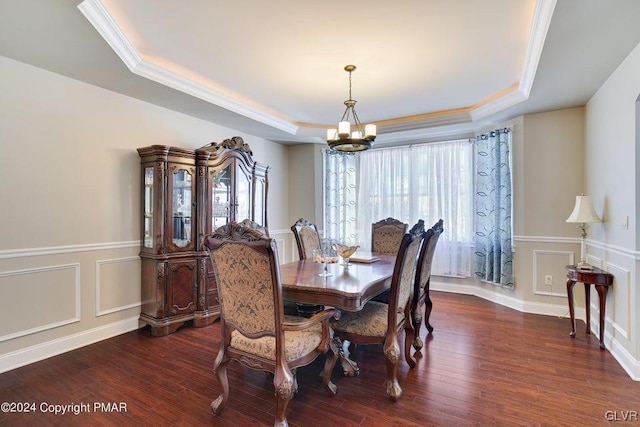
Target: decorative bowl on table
(345, 252)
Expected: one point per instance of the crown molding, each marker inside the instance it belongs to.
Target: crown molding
(512, 96)
(539, 28)
(103, 22)
(499, 103)
(107, 27)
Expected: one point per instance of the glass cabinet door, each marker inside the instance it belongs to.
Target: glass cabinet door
(221, 198)
(243, 195)
(148, 208)
(258, 207)
(181, 210)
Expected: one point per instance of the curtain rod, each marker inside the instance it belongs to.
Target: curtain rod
(493, 132)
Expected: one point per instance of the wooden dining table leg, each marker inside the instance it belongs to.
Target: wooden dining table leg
(349, 367)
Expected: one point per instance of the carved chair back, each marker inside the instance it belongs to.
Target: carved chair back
(386, 235)
(307, 238)
(422, 281)
(245, 267)
(254, 225)
(404, 273)
(425, 259)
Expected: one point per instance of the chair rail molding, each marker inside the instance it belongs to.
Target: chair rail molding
(629, 253)
(55, 250)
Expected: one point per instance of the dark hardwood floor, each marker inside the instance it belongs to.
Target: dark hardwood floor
(485, 365)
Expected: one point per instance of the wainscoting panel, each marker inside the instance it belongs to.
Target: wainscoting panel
(41, 298)
(550, 262)
(117, 284)
(282, 249)
(618, 309)
(287, 249)
(594, 261)
(59, 298)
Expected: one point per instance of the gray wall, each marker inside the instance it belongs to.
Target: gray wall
(70, 229)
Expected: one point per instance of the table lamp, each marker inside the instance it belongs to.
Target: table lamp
(583, 214)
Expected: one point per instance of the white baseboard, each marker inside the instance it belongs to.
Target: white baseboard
(58, 346)
(624, 358)
(558, 310)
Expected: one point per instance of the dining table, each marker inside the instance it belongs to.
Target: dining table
(345, 287)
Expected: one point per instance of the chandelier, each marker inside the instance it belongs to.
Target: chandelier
(348, 136)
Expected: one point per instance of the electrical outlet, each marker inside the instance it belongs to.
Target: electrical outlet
(548, 279)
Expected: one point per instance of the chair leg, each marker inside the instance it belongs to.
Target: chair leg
(416, 321)
(408, 339)
(220, 369)
(281, 409)
(427, 313)
(329, 364)
(284, 384)
(392, 355)
(294, 372)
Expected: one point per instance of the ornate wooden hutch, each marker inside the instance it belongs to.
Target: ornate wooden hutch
(186, 195)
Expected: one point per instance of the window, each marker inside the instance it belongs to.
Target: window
(426, 181)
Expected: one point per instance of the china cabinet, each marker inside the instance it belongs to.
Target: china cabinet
(186, 195)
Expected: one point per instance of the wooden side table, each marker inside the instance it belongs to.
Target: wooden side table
(602, 280)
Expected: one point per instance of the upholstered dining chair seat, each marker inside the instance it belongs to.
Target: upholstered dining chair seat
(370, 321)
(297, 343)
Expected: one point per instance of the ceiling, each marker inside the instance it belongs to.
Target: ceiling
(425, 68)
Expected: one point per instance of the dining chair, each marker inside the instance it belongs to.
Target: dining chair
(308, 241)
(386, 235)
(421, 283)
(307, 238)
(252, 224)
(380, 323)
(255, 330)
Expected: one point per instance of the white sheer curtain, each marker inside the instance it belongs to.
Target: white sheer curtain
(383, 190)
(429, 182)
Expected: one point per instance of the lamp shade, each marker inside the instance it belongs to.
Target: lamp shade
(583, 211)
